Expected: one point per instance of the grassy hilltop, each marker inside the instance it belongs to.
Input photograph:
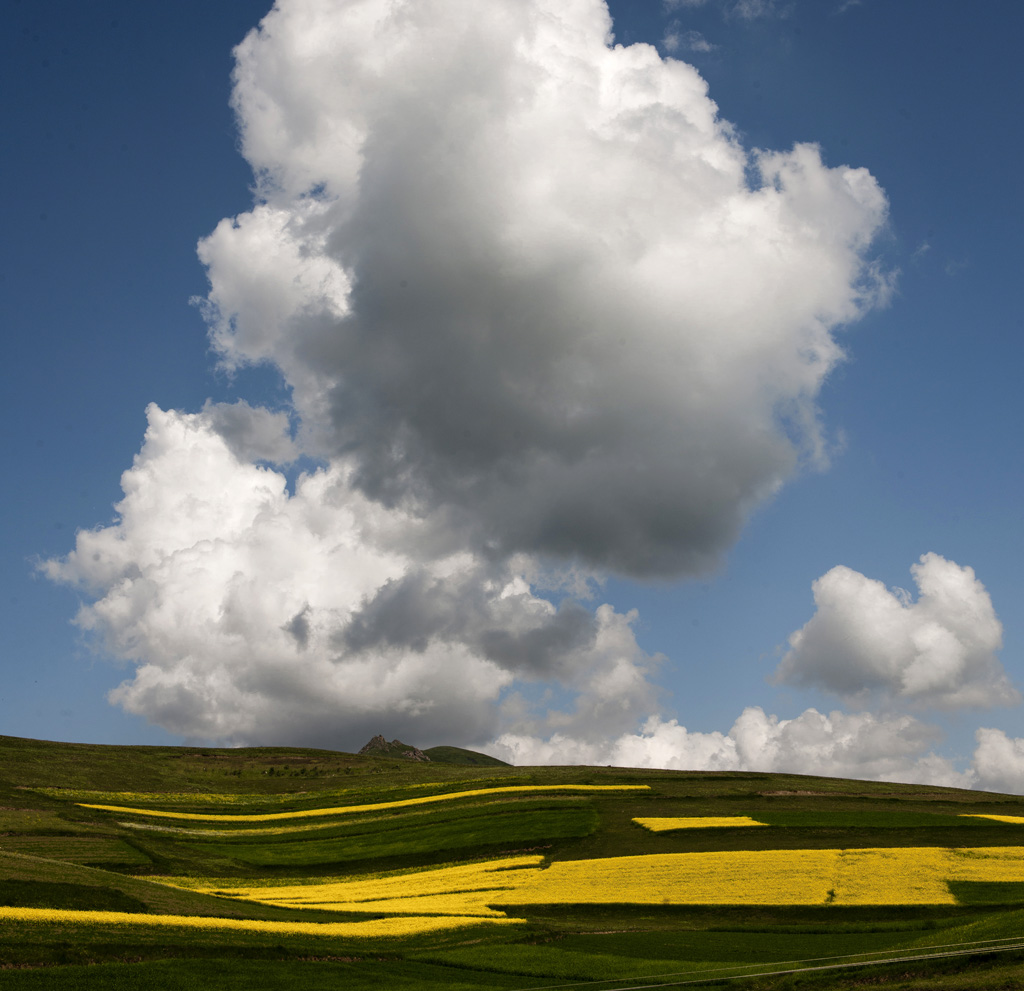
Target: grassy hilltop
(511, 886)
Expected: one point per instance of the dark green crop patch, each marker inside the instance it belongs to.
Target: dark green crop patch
(988, 892)
(478, 833)
(56, 894)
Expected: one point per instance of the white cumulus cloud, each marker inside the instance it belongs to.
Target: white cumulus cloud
(859, 745)
(254, 615)
(940, 650)
(999, 761)
(676, 38)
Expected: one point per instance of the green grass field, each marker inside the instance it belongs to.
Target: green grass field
(56, 854)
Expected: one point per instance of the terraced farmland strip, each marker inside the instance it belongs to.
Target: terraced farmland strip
(375, 928)
(462, 890)
(713, 955)
(63, 894)
(403, 840)
(161, 896)
(738, 945)
(389, 819)
(1017, 820)
(556, 962)
(38, 821)
(881, 876)
(75, 849)
(232, 972)
(988, 892)
(349, 809)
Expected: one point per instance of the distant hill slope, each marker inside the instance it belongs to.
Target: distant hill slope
(379, 747)
(456, 755)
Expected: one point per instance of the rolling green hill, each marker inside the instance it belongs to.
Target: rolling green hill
(457, 755)
(165, 867)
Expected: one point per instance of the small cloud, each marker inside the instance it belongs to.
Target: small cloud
(747, 10)
(692, 41)
(921, 250)
(696, 42)
(750, 10)
(847, 4)
(954, 266)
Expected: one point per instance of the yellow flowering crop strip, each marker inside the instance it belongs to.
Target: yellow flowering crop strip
(664, 825)
(348, 809)
(735, 877)
(1017, 820)
(881, 876)
(461, 891)
(398, 926)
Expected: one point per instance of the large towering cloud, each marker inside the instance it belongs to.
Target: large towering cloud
(529, 284)
(542, 317)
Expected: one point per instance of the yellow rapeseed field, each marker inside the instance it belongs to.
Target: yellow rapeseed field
(894, 876)
(987, 863)
(444, 898)
(735, 877)
(461, 891)
(978, 815)
(399, 926)
(881, 876)
(696, 822)
(347, 809)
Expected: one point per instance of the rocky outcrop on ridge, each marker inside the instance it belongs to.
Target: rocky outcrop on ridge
(379, 747)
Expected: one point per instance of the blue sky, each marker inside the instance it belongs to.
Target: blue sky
(124, 153)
